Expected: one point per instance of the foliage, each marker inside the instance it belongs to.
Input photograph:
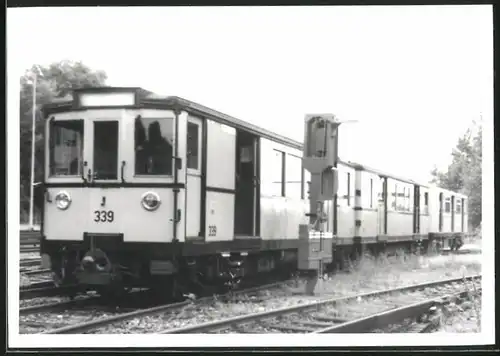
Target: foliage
(464, 174)
(53, 81)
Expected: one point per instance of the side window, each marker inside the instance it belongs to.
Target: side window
(392, 188)
(447, 205)
(344, 188)
(408, 199)
(193, 149)
(459, 206)
(426, 203)
(293, 176)
(381, 193)
(277, 180)
(400, 193)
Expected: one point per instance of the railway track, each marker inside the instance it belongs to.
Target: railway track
(29, 249)
(58, 305)
(36, 272)
(361, 313)
(353, 314)
(44, 289)
(101, 318)
(30, 262)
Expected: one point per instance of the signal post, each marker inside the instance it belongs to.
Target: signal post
(320, 158)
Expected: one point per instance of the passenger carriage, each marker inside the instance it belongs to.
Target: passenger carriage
(141, 189)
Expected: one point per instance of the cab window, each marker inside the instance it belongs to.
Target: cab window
(154, 139)
(66, 148)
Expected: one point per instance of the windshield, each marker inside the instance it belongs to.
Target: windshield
(153, 146)
(66, 148)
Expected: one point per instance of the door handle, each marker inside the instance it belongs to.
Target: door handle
(83, 172)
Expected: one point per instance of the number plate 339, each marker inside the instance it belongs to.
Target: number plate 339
(104, 216)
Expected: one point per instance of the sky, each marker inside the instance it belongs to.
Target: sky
(412, 78)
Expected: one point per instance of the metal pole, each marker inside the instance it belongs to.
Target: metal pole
(33, 128)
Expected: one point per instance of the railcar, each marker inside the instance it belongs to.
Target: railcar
(145, 190)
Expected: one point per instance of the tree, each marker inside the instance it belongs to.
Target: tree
(464, 174)
(54, 81)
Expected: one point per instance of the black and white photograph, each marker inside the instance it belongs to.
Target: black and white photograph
(259, 171)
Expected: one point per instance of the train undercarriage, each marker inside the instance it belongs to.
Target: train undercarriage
(113, 271)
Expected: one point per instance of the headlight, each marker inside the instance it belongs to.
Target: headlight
(150, 201)
(63, 200)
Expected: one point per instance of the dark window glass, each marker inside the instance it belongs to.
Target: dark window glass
(66, 148)
(105, 150)
(153, 146)
(192, 146)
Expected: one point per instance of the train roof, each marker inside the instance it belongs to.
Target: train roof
(147, 99)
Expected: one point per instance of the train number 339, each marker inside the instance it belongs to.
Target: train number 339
(104, 216)
(212, 230)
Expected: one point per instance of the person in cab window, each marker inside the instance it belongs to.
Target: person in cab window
(74, 166)
(160, 150)
(141, 156)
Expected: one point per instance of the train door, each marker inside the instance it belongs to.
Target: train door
(247, 184)
(104, 168)
(193, 176)
(440, 212)
(416, 210)
(382, 207)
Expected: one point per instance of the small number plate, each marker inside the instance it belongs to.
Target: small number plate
(104, 216)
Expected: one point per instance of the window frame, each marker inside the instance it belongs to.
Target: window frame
(447, 205)
(50, 146)
(408, 200)
(458, 205)
(198, 123)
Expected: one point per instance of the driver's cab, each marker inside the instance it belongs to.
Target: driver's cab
(100, 142)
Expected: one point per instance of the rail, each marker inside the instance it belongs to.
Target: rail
(310, 307)
(94, 324)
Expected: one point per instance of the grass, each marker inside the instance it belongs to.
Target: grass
(367, 274)
(475, 237)
(460, 318)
